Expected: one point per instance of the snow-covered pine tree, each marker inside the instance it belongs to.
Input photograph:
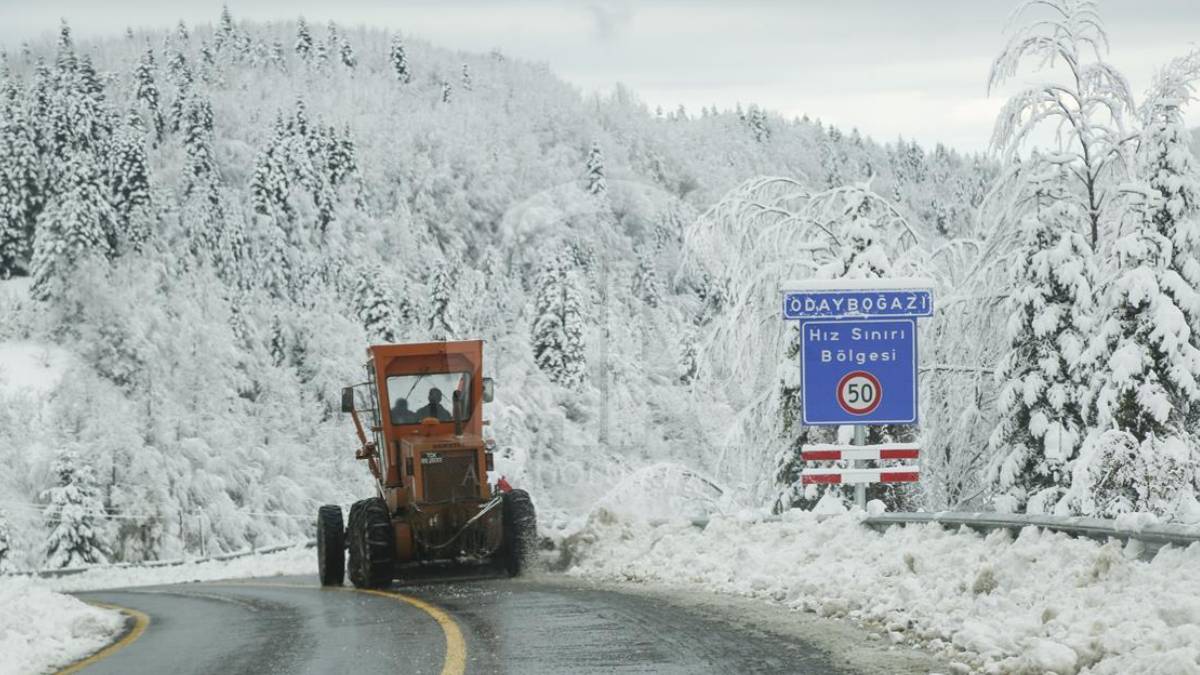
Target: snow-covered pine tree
(446, 91)
(146, 92)
(860, 250)
(399, 60)
(597, 182)
(210, 72)
(645, 282)
(279, 343)
(558, 328)
(321, 54)
(443, 323)
(91, 120)
(832, 159)
(278, 56)
(757, 121)
(89, 80)
(1042, 387)
(689, 360)
(270, 184)
(179, 72)
(198, 145)
(304, 41)
(41, 106)
(1125, 475)
(6, 545)
(333, 40)
(69, 107)
(20, 184)
(76, 224)
(65, 60)
(375, 309)
(1166, 163)
(181, 32)
(1147, 380)
(346, 53)
(466, 77)
(72, 510)
(226, 33)
(275, 267)
(129, 181)
(184, 82)
(343, 157)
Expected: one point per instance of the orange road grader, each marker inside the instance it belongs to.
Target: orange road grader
(419, 419)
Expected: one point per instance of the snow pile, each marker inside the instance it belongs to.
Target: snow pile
(294, 561)
(41, 629)
(1040, 603)
(27, 366)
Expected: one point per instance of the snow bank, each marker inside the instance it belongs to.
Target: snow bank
(41, 629)
(1040, 603)
(294, 561)
(28, 366)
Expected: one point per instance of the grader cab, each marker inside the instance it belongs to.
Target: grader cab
(419, 420)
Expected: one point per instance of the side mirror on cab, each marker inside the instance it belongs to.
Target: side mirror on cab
(489, 389)
(348, 400)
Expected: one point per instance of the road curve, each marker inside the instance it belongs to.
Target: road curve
(291, 625)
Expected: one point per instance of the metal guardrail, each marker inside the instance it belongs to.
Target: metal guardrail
(69, 571)
(1153, 537)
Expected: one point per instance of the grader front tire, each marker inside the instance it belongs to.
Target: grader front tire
(520, 531)
(372, 545)
(331, 546)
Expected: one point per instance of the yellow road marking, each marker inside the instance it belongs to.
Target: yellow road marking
(456, 647)
(140, 621)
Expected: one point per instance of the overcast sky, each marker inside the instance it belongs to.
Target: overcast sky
(915, 68)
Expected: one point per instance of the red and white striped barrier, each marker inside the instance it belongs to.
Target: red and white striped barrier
(835, 476)
(847, 476)
(819, 453)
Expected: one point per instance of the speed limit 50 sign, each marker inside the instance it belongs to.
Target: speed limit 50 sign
(859, 371)
(859, 393)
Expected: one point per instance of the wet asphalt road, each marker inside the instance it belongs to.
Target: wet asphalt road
(291, 625)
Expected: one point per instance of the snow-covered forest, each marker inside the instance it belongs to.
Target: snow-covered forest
(202, 228)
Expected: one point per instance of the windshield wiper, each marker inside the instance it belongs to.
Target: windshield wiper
(414, 385)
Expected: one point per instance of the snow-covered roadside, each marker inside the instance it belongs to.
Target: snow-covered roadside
(1040, 603)
(41, 630)
(299, 560)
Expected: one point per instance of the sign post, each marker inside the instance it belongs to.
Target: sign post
(858, 356)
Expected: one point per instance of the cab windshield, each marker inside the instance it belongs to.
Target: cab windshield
(413, 398)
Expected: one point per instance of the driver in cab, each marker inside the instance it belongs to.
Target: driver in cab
(435, 408)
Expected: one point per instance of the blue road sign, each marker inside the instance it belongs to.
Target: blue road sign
(859, 372)
(857, 303)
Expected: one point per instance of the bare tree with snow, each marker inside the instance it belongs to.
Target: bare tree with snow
(1089, 108)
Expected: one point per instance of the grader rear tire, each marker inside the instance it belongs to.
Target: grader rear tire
(520, 531)
(372, 544)
(331, 546)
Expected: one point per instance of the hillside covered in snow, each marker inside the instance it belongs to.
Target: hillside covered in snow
(202, 228)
